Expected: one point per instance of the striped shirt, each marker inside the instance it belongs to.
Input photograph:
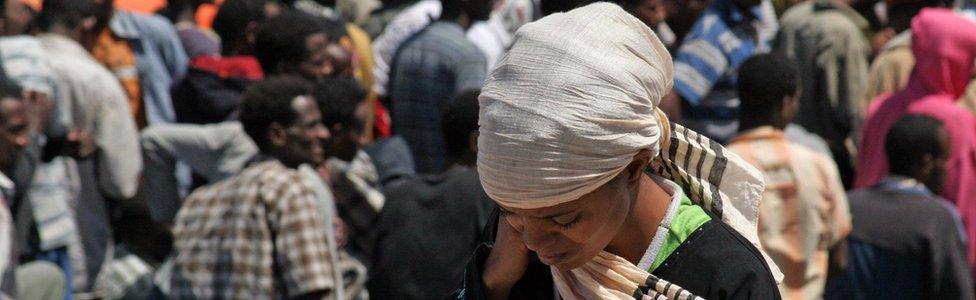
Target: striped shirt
(804, 211)
(428, 71)
(706, 63)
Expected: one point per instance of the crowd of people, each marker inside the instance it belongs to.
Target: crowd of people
(488, 149)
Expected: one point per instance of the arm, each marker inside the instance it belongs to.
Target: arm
(840, 216)
(299, 230)
(116, 138)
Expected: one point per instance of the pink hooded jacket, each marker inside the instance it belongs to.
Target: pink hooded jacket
(944, 45)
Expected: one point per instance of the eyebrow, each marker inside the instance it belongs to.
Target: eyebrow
(550, 216)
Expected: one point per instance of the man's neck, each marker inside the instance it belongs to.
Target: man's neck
(641, 225)
(463, 20)
(64, 31)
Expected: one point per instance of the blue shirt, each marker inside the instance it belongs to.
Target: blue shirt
(160, 59)
(705, 66)
(429, 70)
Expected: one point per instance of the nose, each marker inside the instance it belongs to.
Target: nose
(537, 235)
(322, 132)
(22, 141)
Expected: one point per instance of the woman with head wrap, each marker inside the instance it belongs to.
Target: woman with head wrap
(593, 181)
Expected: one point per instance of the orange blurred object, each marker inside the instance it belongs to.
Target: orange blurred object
(33, 4)
(147, 6)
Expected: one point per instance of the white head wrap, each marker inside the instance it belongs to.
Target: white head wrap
(567, 109)
(570, 105)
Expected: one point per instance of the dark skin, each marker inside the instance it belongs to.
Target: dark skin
(16, 18)
(325, 58)
(300, 142)
(473, 11)
(14, 132)
(650, 12)
(931, 169)
(620, 217)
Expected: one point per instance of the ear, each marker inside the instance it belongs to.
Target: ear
(277, 135)
(88, 24)
(927, 165)
(637, 166)
(250, 33)
(473, 141)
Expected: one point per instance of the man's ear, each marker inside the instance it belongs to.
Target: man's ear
(927, 165)
(250, 33)
(473, 141)
(277, 135)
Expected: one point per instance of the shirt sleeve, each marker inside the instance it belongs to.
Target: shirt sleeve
(470, 72)
(115, 134)
(840, 212)
(300, 239)
(700, 61)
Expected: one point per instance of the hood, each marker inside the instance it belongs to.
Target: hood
(944, 45)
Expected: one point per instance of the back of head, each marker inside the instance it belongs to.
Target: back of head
(338, 98)
(909, 139)
(763, 83)
(282, 39)
(234, 16)
(68, 13)
(944, 46)
(270, 101)
(458, 122)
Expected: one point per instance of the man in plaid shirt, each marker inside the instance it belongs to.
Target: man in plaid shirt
(260, 234)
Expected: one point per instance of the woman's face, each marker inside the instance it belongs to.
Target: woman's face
(569, 235)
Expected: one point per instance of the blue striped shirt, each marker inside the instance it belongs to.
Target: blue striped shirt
(706, 64)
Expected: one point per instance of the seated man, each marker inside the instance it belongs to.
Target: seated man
(907, 242)
(261, 234)
(431, 213)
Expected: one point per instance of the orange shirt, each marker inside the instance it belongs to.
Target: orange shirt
(116, 54)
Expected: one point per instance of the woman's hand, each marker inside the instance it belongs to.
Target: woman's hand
(507, 262)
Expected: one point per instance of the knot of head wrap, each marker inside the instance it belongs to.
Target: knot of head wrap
(570, 105)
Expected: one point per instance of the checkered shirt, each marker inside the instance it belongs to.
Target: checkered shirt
(259, 235)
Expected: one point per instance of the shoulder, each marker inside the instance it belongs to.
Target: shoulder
(797, 14)
(719, 263)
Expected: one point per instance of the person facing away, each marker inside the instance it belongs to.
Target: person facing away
(944, 45)
(804, 214)
(595, 199)
(907, 242)
(704, 97)
(145, 53)
(108, 167)
(210, 92)
(427, 215)
(825, 38)
(428, 70)
(260, 234)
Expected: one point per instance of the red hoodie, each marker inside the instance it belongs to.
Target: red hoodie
(944, 45)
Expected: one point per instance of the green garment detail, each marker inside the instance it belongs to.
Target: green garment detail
(686, 221)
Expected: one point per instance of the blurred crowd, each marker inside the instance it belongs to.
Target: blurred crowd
(328, 148)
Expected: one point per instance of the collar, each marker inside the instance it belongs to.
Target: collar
(733, 15)
(123, 25)
(661, 235)
(904, 185)
(452, 26)
(5, 182)
(903, 39)
(759, 133)
(62, 45)
(851, 14)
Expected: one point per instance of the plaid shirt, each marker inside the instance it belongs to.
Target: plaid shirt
(259, 235)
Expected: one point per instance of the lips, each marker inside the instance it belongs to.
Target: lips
(551, 259)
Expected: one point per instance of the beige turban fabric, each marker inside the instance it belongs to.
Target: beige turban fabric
(565, 112)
